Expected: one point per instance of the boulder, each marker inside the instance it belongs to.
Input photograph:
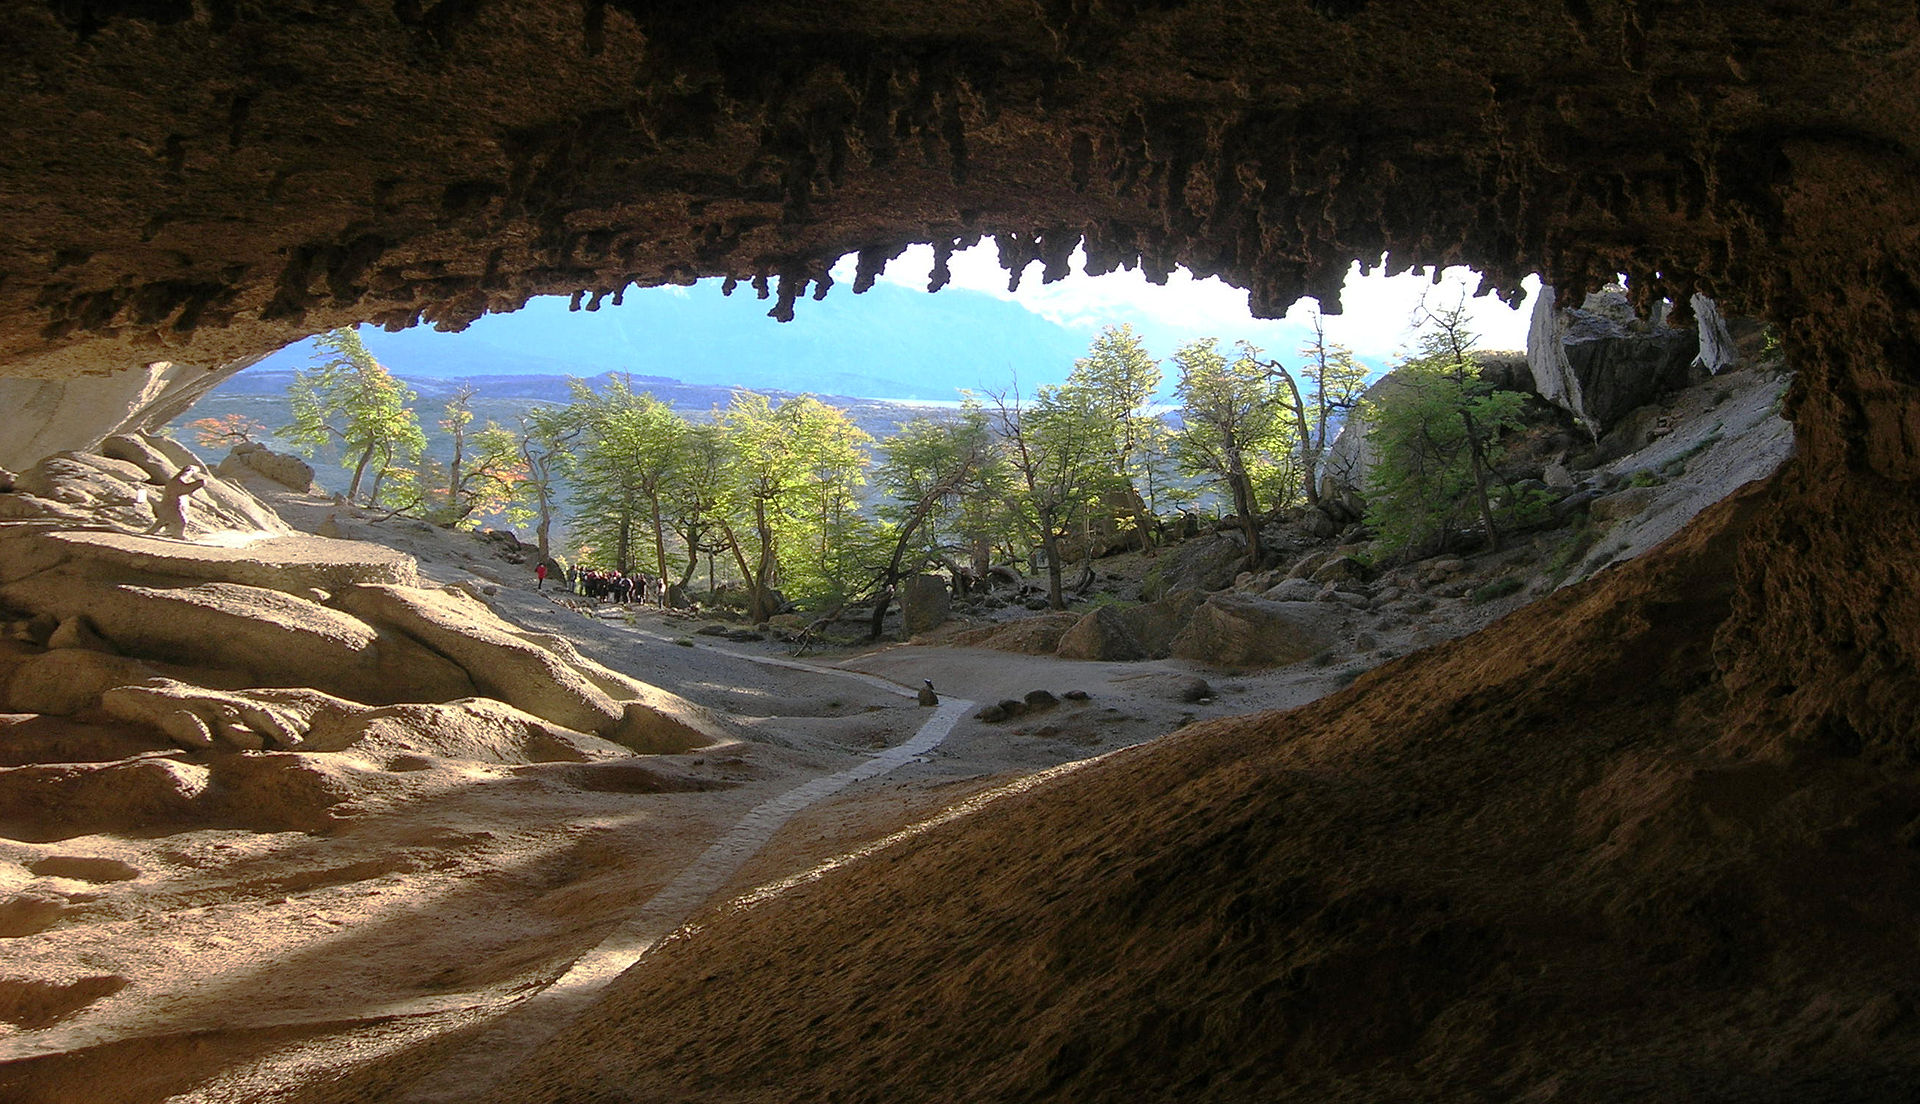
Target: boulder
(1293, 590)
(251, 458)
(477, 730)
(1029, 635)
(1237, 630)
(1599, 362)
(1339, 569)
(1101, 634)
(500, 664)
(248, 720)
(1203, 564)
(1628, 503)
(44, 738)
(291, 564)
(69, 681)
(925, 603)
(63, 800)
(279, 639)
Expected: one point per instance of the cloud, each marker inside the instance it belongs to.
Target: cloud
(1377, 322)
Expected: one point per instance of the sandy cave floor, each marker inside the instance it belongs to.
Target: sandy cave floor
(230, 965)
(213, 965)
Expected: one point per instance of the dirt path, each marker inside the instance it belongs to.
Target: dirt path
(538, 1018)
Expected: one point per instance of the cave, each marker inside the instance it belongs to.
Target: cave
(1650, 839)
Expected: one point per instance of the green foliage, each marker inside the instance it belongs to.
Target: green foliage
(1566, 557)
(628, 446)
(350, 403)
(1055, 452)
(790, 506)
(1430, 435)
(1498, 588)
(1645, 479)
(1237, 431)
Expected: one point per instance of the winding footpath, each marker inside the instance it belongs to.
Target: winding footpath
(526, 1025)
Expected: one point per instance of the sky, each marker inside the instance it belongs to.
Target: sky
(1377, 322)
(899, 342)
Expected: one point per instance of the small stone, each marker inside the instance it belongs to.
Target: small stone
(1196, 690)
(1077, 695)
(1041, 699)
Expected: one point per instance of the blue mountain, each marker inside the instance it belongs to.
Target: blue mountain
(891, 342)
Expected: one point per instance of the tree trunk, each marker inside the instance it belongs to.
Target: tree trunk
(359, 470)
(1477, 459)
(1309, 453)
(1050, 547)
(1243, 504)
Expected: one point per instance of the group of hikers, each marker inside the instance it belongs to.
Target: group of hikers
(613, 586)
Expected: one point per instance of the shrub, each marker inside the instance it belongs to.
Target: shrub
(1499, 588)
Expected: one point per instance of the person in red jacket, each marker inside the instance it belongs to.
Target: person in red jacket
(540, 576)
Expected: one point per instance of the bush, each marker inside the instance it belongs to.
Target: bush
(1499, 588)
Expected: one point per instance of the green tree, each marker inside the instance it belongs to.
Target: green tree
(1119, 379)
(482, 476)
(694, 495)
(546, 440)
(629, 446)
(787, 507)
(1235, 430)
(349, 402)
(1335, 381)
(928, 469)
(1431, 436)
(1055, 451)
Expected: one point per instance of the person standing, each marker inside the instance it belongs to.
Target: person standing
(540, 575)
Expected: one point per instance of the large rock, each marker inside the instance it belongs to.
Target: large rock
(1029, 635)
(295, 564)
(56, 415)
(116, 487)
(1101, 634)
(1599, 362)
(502, 665)
(478, 730)
(1238, 630)
(250, 458)
(1203, 564)
(69, 680)
(925, 603)
(279, 639)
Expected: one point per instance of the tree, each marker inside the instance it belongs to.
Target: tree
(693, 497)
(547, 436)
(1234, 427)
(1335, 382)
(225, 430)
(787, 505)
(1430, 435)
(928, 469)
(485, 469)
(1054, 450)
(629, 445)
(1120, 378)
(350, 402)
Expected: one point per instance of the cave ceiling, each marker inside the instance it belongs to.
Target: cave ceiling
(203, 180)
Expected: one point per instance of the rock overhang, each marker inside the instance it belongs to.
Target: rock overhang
(203, 182)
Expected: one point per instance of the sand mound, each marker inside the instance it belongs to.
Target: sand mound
(1516, 863)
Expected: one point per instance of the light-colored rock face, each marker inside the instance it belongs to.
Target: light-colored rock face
(46, 416)
(1598, 363)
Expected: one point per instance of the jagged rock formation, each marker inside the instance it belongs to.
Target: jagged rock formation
(1598, 362)
(1682, 791)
